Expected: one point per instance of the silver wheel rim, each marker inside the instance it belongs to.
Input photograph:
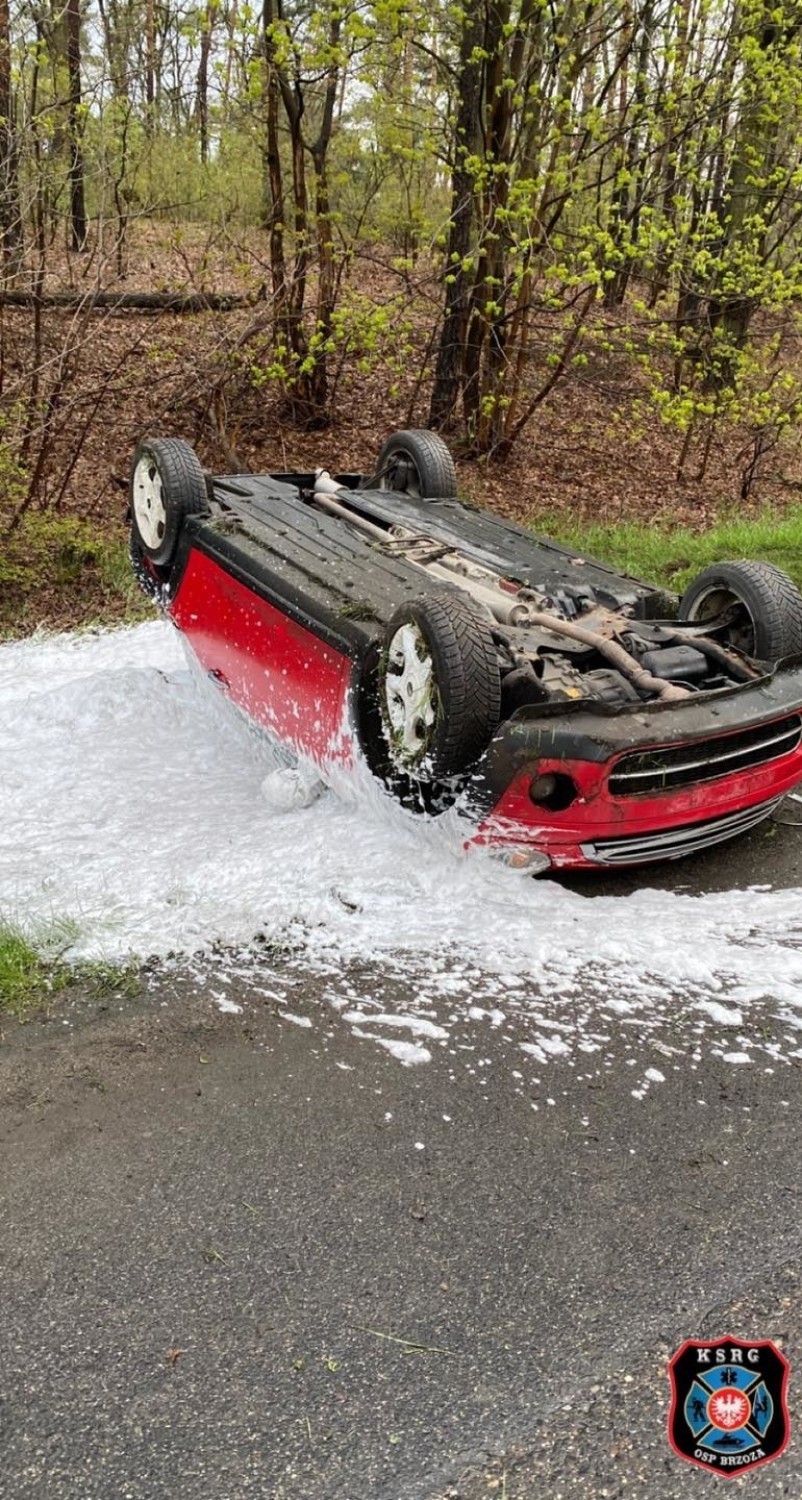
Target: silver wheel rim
(409, 692)
(150, 511)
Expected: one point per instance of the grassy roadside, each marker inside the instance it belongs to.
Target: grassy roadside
(61, 573)
(672, 556)
(33, 971)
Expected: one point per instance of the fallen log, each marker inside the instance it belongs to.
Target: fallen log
(172, 302)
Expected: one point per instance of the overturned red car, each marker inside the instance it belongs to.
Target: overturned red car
(576, 717)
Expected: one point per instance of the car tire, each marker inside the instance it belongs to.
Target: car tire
(167, 485)
(766, 606)
(439, 687)
(416, 463)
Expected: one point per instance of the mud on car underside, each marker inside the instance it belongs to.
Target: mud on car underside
(575, 716)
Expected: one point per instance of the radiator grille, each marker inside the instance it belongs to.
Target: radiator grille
(672, 843)
(663, 770)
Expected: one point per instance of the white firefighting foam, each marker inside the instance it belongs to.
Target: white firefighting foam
(135, 818)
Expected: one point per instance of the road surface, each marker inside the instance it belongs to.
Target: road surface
(247, 1256)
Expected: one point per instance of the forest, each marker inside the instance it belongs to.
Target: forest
(564, 233)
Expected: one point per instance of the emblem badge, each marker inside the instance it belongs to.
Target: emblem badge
(729, 1411)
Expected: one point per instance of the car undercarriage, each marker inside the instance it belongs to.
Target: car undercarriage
(578, 716)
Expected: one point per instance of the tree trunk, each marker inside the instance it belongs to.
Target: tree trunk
(628, 196)
(274, 213)
(619, 136)
(202, 98)
(306, 384)
(487, 317)
(673, 153)
(458, 270)
(150, 64)
(78, 228)
(10, 215)
(323, 225)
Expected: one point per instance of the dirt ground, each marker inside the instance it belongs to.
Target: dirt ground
(110, 377)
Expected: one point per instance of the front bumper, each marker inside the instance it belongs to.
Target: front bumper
(608, 822)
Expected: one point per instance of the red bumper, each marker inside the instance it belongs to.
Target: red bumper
(603, 828)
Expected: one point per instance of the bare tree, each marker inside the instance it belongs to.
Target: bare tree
(10, 217)
(202, 101)
(78, 225)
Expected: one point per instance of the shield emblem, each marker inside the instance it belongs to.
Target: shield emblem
(729, 1410)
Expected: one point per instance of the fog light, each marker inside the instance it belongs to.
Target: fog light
(521, 858)
(543, 787)
(552, 789)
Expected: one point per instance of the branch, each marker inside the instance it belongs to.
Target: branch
(174, 302)
(503, 447)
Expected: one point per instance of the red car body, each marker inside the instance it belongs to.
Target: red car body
(283, 590)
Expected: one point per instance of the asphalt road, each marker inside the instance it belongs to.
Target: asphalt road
(242, 1256)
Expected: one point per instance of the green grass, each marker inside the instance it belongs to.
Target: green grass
(23, 974)
(117, 579)
(65, 572)
(673, 555)
(33, 970)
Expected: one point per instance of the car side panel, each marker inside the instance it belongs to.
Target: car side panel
(280, 674)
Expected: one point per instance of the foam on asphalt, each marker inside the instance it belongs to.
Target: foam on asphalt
(141, 817)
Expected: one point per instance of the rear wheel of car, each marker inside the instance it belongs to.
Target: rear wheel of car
(439, 687)
(759, 605)
(167, 485)
(417, 463)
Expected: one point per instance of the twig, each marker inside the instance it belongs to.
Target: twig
(408, 1345)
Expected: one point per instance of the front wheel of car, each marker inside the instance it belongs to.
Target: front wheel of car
(417, 463)
(439, 687)
(167, 485)
(752, 606)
